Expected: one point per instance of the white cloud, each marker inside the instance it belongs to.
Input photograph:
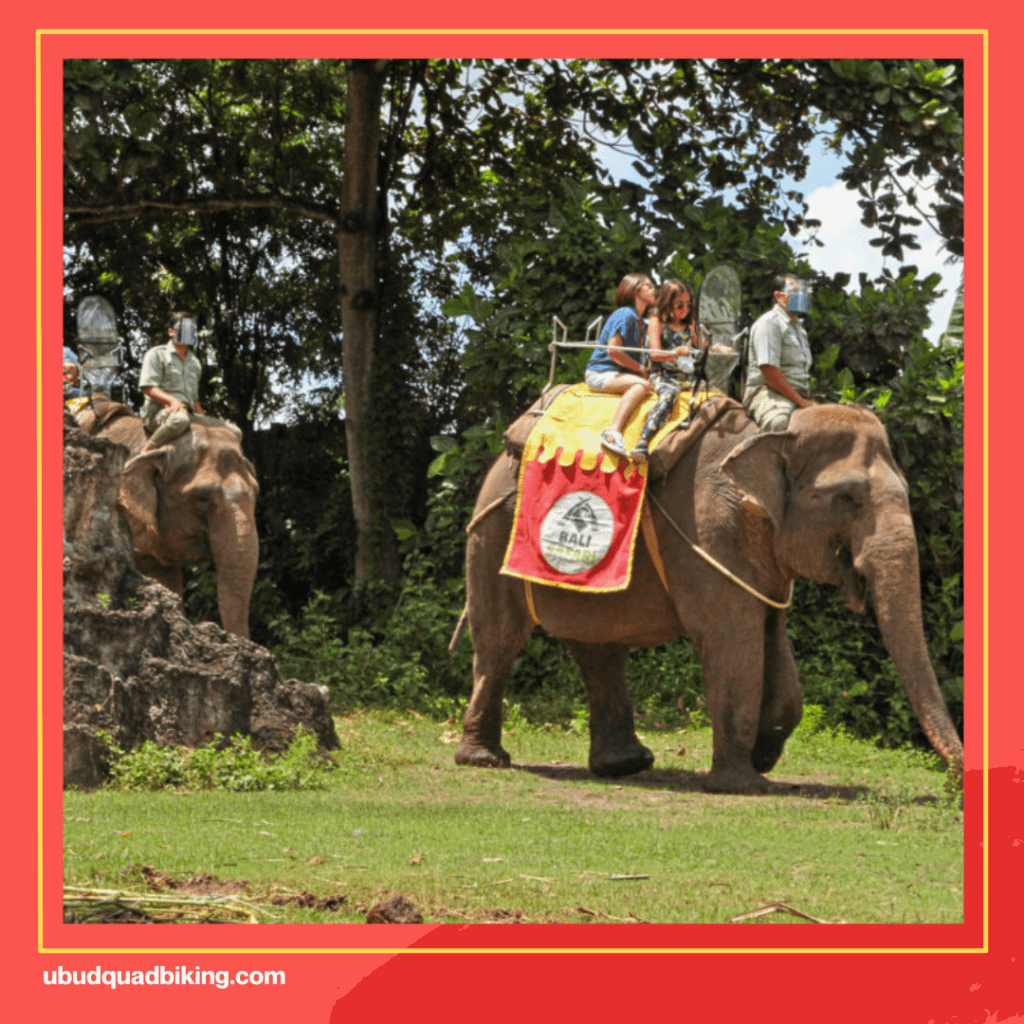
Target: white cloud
(846, 248)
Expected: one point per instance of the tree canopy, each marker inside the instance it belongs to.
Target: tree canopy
(221, 182)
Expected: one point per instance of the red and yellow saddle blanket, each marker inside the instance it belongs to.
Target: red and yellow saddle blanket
(578, 507)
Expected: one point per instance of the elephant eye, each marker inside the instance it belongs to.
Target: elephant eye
(202, 501)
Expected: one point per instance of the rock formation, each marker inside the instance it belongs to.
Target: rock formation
(134, 666)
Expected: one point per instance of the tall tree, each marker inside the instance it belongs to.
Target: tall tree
(358, 243)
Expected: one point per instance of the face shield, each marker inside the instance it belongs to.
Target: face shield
(186, 332)
(798, 296)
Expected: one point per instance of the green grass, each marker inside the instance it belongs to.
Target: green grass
(868, 837)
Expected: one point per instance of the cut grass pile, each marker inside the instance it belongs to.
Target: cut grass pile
(868, 837)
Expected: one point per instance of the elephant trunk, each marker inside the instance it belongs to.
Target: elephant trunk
(235, 548)
(889, 563)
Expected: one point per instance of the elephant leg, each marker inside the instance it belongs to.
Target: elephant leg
(733, 660)
(782, 701)
(499, 625)
(614, 747)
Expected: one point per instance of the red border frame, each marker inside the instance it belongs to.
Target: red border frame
(899, 986)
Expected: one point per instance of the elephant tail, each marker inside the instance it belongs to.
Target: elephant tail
(460, 628)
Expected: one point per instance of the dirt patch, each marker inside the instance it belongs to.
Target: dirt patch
(500, 916)
(202, 899)
(397, 909)
(495, 915)
(114, 915)
(308, 901)
(210, 886)
(198, 885)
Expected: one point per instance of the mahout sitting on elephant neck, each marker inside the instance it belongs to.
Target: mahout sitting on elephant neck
(823, 500)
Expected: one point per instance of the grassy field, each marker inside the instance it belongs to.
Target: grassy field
(848, 833)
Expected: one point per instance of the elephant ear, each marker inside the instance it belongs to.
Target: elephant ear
(138, 498)
(757, 467)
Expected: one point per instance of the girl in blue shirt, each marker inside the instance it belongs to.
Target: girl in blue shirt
(616, 372)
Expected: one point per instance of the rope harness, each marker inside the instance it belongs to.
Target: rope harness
(714, 563)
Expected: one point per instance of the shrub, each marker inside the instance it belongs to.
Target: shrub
(232, 765)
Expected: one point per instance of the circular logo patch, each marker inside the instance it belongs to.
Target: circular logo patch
(576, 532)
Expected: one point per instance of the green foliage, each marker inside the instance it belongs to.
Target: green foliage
(845, 670)
(955, 325)
(232, 765)
(865, 336)
(391, 649)
(399, 661)
(218, 182)
(577, 244)
(193, 137)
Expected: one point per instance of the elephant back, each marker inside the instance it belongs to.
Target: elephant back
(669, 451)
(676, 444)
(99, 412)
(518, 432)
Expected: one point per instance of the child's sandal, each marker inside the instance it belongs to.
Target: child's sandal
(612, 440)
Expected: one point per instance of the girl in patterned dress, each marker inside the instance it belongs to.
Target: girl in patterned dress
(671, 341)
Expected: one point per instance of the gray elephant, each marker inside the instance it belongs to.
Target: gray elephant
(191, 500)
(824, 501)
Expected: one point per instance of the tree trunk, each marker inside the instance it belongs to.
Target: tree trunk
(358, 240)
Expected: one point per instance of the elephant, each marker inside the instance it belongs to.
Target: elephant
(823, 500)
(191, 500)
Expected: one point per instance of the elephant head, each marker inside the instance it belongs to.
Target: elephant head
(195, 500)
(837, 505)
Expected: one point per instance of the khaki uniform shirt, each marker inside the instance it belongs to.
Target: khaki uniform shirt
(776, 339)
(163, 368)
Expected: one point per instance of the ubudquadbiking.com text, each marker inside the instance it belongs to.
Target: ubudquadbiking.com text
(161, 976)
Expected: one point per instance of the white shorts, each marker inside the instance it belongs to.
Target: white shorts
(597, 380)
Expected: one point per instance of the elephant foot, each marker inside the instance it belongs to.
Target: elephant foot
(735, 780)
(628, 759)
(478, 756)
(766, 753)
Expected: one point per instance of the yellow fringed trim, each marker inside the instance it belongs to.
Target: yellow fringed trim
(647, 524)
